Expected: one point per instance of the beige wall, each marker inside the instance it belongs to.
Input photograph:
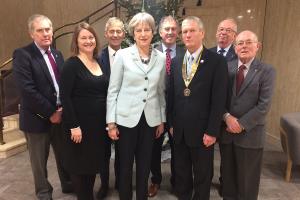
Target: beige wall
(281, 47)
(14, 15)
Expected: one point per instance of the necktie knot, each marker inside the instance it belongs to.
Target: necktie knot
(221, 51)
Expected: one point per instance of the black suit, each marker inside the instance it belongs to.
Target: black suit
(105, 64)
(230, 55)
(38, 103)
(157, 145)
(191, 117)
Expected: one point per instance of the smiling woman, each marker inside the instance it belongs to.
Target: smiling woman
(83, 95)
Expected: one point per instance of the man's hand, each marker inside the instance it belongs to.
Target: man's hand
(233, 126)
(208, 140)
(113, 131)
(56, 116)
(76, 135)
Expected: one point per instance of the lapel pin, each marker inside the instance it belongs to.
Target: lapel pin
(201, 61)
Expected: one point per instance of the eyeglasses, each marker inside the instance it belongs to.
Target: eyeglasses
(247, 42)
(227, 30)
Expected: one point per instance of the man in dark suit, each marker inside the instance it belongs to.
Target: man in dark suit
(114, 33)
(168, 30)
(226, 33)
(36, 69)
(197, 97)
(251, 85)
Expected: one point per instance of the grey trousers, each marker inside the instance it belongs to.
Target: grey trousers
(38, 147)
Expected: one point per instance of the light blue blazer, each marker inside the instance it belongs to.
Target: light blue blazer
(135, 88)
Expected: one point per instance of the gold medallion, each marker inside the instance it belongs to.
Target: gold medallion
(186, 92)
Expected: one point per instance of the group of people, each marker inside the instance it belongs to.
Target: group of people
(131, 97)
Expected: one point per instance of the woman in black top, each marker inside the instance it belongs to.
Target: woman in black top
(84, 86)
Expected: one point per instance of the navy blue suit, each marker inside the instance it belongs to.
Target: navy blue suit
(105, 66)
(231, 55)
(38, 103)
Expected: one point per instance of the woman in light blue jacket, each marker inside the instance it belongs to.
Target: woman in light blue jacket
(136, 104)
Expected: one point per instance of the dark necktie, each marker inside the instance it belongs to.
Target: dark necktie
(240, 78)
(53, 65)
(221, 51)
(168, 61)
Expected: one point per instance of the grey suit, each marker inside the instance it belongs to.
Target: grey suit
(242, 153)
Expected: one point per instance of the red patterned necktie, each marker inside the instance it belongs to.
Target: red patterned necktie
(168, 61)
(240, 78)
(53, 65)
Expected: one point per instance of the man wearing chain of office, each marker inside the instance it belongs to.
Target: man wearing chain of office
(198, 88)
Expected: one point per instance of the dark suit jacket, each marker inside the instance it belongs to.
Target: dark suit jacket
(103, 59)
(202, 111)
(230, 54)
(38, 95)
(251, 104)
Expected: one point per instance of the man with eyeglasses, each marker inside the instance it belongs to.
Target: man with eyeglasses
(226, 33)
(251, 85)
(115, 34)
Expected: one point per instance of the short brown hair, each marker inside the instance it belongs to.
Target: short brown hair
(74, 44)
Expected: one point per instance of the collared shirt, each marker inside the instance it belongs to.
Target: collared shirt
(173, 49)
(45, 56)
(195, 56)
(111, 53)
(226, 50)
(247, 65)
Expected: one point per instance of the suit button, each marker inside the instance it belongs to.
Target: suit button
(146, 78)
(55, 94)
(144, 100)
(145, 89)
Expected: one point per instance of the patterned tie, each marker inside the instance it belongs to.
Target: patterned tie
(221, 52)
(240, 78)
(53, 65)
(168, 61)
(189, 66)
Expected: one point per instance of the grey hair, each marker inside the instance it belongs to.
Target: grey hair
(37, 17)
(232, 21)
(167, 18)
(195, 19)
(141, 18)
(114, 21)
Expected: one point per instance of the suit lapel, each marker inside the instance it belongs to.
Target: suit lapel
(39, 57)
(153, 60)
(105, 61)
(137, 59)
(250, 75)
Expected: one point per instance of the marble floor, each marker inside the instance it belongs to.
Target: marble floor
(16, 181)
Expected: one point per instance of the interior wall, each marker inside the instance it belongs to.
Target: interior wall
(14, 14)
(281, 48)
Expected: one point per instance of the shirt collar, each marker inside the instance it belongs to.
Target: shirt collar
(248, 64)
(226, 49)
(43, 51)
(111, 51)
(196, 53)
(164, 47)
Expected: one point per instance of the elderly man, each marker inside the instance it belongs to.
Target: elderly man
(168, 30)
(251, 85)
(114, 33)
(36, 69)
(226, 33)
(197, 97)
